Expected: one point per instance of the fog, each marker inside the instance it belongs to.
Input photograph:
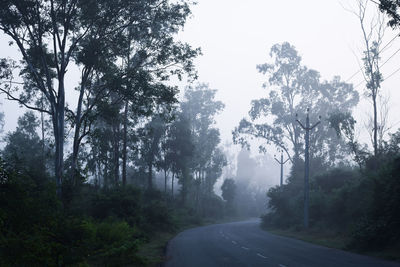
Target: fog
(124, 123)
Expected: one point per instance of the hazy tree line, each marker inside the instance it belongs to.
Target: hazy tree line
(91, 181)
(78, 180)
(244, 188)
(353, 189)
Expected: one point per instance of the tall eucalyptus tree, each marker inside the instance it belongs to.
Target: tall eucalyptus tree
(53, 34)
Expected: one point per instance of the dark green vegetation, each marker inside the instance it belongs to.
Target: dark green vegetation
(93, 182)
(98, 220)
(107, 176)
(351, 206)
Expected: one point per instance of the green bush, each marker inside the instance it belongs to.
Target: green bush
(380, 227)
(37, 231)
(335, 198)
(115, 243)
(285, 203)
(120, 202)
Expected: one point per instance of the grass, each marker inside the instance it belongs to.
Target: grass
(392, 253)
(334, 240)
(153, 252)
(323, 238)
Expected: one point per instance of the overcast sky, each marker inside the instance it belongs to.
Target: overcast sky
(236, 35)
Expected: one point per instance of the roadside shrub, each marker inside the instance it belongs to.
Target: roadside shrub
(286, 206)
(335, 197)
(213, 207)
(115, 243)
(380, 227)
(120, 202)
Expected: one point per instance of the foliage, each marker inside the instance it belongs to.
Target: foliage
(228, 190)
(199, 108)
(343, 123)
(249, 197)
(379, 228)
(390, 7)
(181, 147)
(95, 36)
(292, 88)
(35, 230)
(126, 110)
(99, 226)
(24, 149)
(361, 204)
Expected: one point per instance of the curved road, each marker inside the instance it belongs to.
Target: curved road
(245, 244)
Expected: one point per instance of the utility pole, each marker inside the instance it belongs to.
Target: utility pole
(307, 128)
(281, 162)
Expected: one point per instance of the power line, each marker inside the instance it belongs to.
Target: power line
(374, 2)
(393, 73)
(389, 43)
(389, 58)
(358, 84)
(383, 49)
(355, 73)
(398, 50)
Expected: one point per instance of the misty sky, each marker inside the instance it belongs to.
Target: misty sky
(236, 35)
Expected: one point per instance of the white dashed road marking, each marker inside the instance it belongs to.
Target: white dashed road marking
(281, 265)
(234, 242)
(245, 248)
(260, 255)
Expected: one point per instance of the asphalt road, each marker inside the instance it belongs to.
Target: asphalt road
(245, 244)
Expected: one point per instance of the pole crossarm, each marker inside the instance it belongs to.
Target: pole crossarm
(308, 128)
(315, 125)
(302, 126)
(281, 162)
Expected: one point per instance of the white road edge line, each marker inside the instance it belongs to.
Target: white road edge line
(245, 248)
(262, 256)
(234, 242)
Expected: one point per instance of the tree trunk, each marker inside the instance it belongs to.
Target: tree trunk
(184, 188)
(172, 185)
(58, 124)
(76, 142)
(78, 125)
(42, 126)
(125, 143)
(150, 177)
(165, 182)
(116, 152)
(375, 126)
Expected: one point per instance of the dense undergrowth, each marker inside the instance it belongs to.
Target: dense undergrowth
(96, 227)
(361, 206)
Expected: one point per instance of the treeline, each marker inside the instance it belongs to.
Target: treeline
(360, 204)
(80, 181)
(352, 189)
(245, 185)
(99, 220)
